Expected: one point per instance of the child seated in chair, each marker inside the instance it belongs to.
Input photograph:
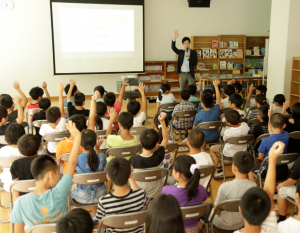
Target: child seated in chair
(149, 158)
(228, 91)
(193, 90)
(260, 89)
(242, 163)
(237, 129)
(123, 199)
(165, 96)
(279, 100)
(44, 104)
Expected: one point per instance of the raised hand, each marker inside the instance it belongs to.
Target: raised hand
(276, 150)
(95, 97)
(176, 33)
(251, 87)
(125, 84)
(141, 87)
(162, 116)
(112, 114)
(199, 85)
(216, 82)
(44, 85)
(286, 104)
(99, 142)
(72, 129)
(72, 82)
(17, 100)
(270, 111)
(61, 87)
(16, 85)
(97, 93)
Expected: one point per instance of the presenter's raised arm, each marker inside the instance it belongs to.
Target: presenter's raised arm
(176, 50)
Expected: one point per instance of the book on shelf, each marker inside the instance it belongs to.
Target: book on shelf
(206, 52)
(226, 53)
(215, 44)
(222, 65)
(172, 80)
(229, 75)
(237, 65)
(234, 54)
(229, 53)
(152, 88)
(197, 76)
(225, 44)
(213, 53)
(198, 53)
(201, 66)
(254, 63)
(150, 78)
(170, 68)
(214, 76)
(223, 53)
(153, 68)
(231, 44)
(215, 66)
(263, 51)
(222, 75)
(236, 72)
(261, 63)
(239, 53)
(235, 44)
(248, 52)
(256, 51)
(248, 63)
(221, 44)
(229, 65)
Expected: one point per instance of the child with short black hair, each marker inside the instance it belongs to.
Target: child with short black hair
(237, 129)
(36, 93)
(134, 107)
(150, 158)
(76, 221)
(165, 96)
(242, 164)
(44, 104)
(202, 92)
(123, 199)
(262, 116)
(100, 91)
(193, 90)
(47, 203)
(278, 101)
(257, 205)
(238, 88)
(228, 91)
(188, 191)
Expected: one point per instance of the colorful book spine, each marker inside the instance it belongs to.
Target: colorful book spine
(248, 63)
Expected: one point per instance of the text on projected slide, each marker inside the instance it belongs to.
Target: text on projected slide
(96, 30)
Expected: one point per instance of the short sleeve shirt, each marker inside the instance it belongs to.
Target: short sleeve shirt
(183, 123)
(225, 102)
(141, 161)
(117, 107)
(138, 120)
(169, 98)
(72, 110)
(13, 115)
(260, 129)
(290, 225)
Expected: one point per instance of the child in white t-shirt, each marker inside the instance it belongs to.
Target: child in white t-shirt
(228, 91)
(164, 96)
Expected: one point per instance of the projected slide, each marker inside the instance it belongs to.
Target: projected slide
(97, 38)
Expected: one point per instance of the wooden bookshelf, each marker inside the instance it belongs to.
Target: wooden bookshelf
(295, 82)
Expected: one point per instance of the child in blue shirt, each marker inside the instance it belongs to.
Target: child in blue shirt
(202, 92)
(209, 114)
(276, 126)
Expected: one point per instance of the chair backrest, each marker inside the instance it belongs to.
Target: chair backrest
(196, 211)
(211, 125)
(196, 103)
(149, 175)
(31, 112)
(284, 158)
(23, 186)
(124, 220)
(56, 137)
(39, 123)
(241, 139)
(186, 114)
(254, 121)
(295, 135)
(123, 151)
(206, 171)
(261, 137)
(64, 157)
(6, 162)
(223, 110)
(243, 120)
(250, 110)
(167, 106)
(90, 178)
(229, 205)
(102, 133)
(43, 228)
(136, 130)
(3, 141)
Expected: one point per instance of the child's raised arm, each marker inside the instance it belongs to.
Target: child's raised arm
(61, 101)
(16, 85)
(72, 82)
(286, 105)
(144, 102)
(124, 84)
(44, 86)
(92, 116)
(17, 101)
(250, 93)
(112, 115)
(218, 96)
(162, 116)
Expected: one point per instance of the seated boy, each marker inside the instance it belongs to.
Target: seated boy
(276, 126)
(47, 203)
(202, 92)
(278, 102)
(228, 91)
(4, 115)
(262, 127)
(57, 121)
(257, 205)
(195, 141)
(237, 129)
(123, 199)
(179, 122)
(209, 114)
(134, 107)
(193, 90)
(149, 159)
(7, 102)
(242, 163)
(79, 99)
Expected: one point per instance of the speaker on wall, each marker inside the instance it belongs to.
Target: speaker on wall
(199, 3)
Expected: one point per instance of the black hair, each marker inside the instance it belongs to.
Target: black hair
(149, 138)
(119, 170)
(28, 145)
(53, 114)
(79, 98)
(184, 94)
(238, 86)
(192, 89)
(133, 107)
(208, 91)
(13, 133)
(236, 99)
(261, 99)
(67, 88)
(164, 215)
(229, 90)
(101, 110)
(126, 120)
(277, 120)
(110, 99)
(76, 221)
(280, 99)
(41, 165)
(263, 113)
(255, 206)
(43, 104)
(196, 138)
(6, 101)
(182, 164)
(207, 100)
(157, 124)
(79, 120)
(262, 89)
(296, 111)
(244, 162)
(3, 113)
(101, 90)
(164, 87)
(36, 92)
(185, 38)
(232, 116)
(88, 141)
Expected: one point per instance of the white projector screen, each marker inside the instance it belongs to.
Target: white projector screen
(97, 36)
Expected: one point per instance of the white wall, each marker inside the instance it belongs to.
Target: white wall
(26, 45)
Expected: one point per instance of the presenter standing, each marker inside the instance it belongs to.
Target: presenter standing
(187, 59)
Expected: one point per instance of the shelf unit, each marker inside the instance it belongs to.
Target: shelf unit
(255, 41)
(295, 82)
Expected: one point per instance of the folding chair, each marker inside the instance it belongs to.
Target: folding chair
(196, 212)
(102, 133)
(295, 135)
(151, 174)
(87, 179)
(206, 171)
(39, 123)
(228, 205)
(250, 110)
(167, 106)
(23, 186)
(196, 103)
(183, 114)
(123, 221)
(258, 140)
(243, 120)
(53, 137)
(236, 141)
(123, 151)
(170, 148)
(43, 228)
(223, 110)
(254, 121)
(136, 131)
(31, 112)
(283, 159)
(212, 125)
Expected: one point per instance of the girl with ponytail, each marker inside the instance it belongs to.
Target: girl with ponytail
(101, 122)
(164, 96)
(89, 161)
(43, 104)
(188, 191)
